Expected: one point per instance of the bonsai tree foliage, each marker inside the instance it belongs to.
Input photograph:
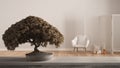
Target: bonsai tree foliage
(34, 30)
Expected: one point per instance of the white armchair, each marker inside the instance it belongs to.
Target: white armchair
(80, 41)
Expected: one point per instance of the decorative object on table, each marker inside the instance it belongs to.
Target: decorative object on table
(97, 49)
(104, 49)
(80, 41)
(37, 32)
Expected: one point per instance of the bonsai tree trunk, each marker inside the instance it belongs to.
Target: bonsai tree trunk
(36, 49)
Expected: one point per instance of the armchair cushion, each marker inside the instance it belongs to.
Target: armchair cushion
(80, 41)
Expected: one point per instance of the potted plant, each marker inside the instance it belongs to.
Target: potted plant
(37, 32)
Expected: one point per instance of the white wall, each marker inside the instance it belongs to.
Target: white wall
(116, 32)
(71, 17)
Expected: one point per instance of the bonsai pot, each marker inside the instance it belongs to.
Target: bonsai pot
(39, 56)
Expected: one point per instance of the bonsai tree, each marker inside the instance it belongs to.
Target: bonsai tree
(34, 30)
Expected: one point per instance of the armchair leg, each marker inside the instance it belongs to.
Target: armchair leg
(77, 49)
(85, 50)
(74, 49)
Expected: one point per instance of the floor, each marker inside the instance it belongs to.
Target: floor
(56, 53)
